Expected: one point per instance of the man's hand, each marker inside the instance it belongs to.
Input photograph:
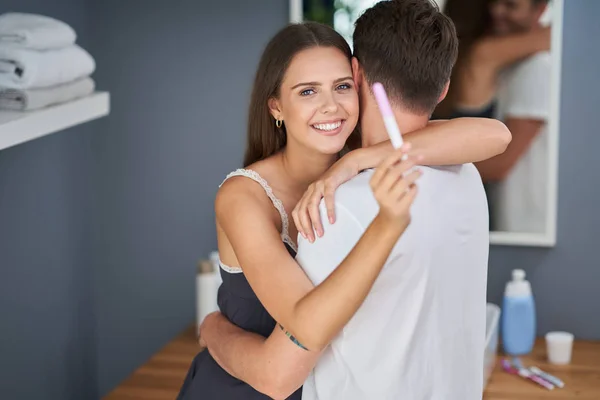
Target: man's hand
(202, 343)
(207, 321)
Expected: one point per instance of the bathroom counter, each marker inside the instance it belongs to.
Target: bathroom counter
(581, 377)
(162, 376)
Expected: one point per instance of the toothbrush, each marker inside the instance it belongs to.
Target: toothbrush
(524, 373)
(546, 376)
(388, 116)
(516, 363)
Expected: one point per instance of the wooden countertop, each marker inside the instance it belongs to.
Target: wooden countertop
(581, 377)
(161, 377)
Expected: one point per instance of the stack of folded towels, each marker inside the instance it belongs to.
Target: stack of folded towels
(40, 64)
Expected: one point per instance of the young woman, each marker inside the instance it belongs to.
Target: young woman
(303, 109)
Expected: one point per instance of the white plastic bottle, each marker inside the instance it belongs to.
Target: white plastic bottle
(214, 258)
(206, 291)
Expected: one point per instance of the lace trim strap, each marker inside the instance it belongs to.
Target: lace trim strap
(248, 173)
(231, 270)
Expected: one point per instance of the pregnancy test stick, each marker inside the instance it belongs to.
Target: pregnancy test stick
(388, 116)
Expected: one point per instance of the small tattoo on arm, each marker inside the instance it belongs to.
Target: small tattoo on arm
(292, 338)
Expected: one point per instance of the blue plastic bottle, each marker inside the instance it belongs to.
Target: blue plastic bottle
(518, 316)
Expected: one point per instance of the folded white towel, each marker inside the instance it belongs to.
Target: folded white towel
(33, 99)
(35, 31)
(28, 69)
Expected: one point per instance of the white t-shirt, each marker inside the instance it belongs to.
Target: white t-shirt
(420, 333)
(519, 202)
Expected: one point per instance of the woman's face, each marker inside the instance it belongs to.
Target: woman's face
(318, 100)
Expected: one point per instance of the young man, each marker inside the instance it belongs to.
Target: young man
(420, 332)
(516, 180)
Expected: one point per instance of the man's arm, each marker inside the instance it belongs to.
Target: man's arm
(524, 132)
(276, 366)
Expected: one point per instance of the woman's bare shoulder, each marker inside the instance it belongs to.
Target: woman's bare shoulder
(245, 189)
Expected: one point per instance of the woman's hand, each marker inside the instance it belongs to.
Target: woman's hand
(306, 213)
(394, 188)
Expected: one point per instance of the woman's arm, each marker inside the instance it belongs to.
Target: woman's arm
(445, 142)
(314, 317)
(274, 366)
(497, 52)
(456, 141)
(476, 75)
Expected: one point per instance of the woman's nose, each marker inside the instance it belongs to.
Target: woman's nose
(330, 105)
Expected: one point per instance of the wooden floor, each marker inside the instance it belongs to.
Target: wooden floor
(161, 377)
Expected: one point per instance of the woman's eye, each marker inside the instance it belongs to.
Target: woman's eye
(344, 86)
(306, 92)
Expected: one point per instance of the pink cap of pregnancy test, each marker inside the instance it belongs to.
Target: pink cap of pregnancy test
(382, 100)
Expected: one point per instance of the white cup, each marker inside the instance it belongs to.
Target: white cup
(559, 346)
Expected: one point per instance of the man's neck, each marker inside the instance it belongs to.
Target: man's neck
(372, 126)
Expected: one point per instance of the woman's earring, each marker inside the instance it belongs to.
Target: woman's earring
(279, 123)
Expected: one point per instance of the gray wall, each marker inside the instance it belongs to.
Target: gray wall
(566, 279)
(180, 79)
(46, 311)
(101, 225)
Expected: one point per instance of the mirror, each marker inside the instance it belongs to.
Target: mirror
(523, 91)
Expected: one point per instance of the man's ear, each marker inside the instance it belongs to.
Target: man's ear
(444, 92)
(357, 74)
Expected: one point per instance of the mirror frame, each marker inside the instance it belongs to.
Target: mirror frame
(548, 238)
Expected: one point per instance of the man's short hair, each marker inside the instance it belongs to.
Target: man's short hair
(410, 47)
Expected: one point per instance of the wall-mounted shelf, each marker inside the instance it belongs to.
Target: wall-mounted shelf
(20, 127)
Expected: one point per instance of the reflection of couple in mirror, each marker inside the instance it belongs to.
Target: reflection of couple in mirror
(503, 72)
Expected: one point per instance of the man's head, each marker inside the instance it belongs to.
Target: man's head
(514, 16)
(410, 47)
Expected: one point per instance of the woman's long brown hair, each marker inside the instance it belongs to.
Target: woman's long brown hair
(264, 138)
(471, 19)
